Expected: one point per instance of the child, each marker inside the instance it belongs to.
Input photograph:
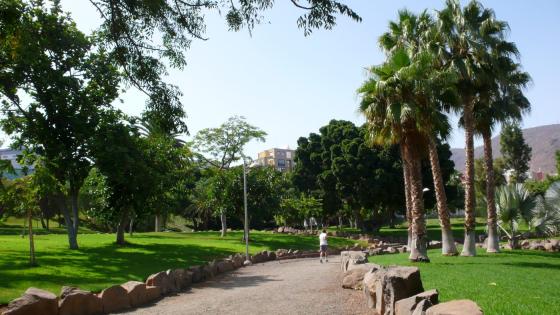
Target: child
(323, 244)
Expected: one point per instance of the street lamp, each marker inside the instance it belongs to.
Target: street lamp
(247, 260)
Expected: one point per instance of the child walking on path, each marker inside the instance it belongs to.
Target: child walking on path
(323, 244)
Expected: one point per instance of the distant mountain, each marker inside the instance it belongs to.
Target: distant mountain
(544, 140)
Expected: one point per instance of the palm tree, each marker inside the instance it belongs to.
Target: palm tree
(468, 35)
(546, 215)
(391, 112)
(416, 34)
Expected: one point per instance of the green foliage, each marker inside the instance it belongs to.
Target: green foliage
(516, 153)
(545, 218)
(224, 145)
(295, 209)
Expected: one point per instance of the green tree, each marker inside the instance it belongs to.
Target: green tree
(67, 85)
(516, 153)
(513, 204)
(220, 147)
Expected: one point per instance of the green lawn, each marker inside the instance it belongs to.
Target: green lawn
(434, 230)
(512, 282)
(99, 263)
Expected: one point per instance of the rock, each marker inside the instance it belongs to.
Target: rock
(152, 293)
(271, 255)
(391, 250)
(136, 292)
(258, 258)
(525, 244)
(281, 252)
(375, 251)
(176, 277)
(352, 257)
(197, 275)
(548, 247)
(114, 299)
(535, 245)
(402, 249)
(207, 272)
(238, 260)
(74, 301)
(354, 276)
(434, 244)
(416, 304)
(455, 307)
(161, 280)
(213, 267)
(555, 244)
(383, 287)
(225, 266)
(33, 301)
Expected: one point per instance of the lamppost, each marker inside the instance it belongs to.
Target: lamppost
(247, 260)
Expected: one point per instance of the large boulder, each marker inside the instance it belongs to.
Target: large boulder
(136, 292)
(354, 276)
(385, 286)
(456, 307)
(352, 258)
(281, 252)
(271, 255)
(161, 280)
(417, 304)
(114, 299)
(33, 301)
(74, 301)
(238, 260)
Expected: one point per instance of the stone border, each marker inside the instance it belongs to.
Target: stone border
(133, 294)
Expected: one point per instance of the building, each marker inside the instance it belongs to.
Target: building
(281, 159)
(12, 156)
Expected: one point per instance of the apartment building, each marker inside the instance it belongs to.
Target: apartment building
(281, 159)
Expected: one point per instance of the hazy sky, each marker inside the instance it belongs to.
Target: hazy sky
(290, 85)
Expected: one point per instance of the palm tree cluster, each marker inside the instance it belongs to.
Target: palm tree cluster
(456, 61)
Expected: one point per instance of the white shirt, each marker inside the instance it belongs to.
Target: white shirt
(323, 239)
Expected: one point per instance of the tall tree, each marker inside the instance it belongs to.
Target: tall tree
(468, 36)
(67, 85)
(220, 147)
(392, 118)
(516, 153)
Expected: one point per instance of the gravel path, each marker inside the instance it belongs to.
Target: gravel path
(297, 286)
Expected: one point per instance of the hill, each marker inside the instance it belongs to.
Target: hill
(544, 140)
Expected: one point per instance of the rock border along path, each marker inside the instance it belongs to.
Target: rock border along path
(295, 286)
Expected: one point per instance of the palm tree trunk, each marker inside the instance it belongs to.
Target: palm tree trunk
(448, 247)
(469, 248)
(408, 204)
(493, 245)
(419, 245)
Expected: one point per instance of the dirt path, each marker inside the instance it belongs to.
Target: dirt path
(299, 286)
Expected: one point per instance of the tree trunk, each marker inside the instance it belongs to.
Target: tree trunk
(419, 245)
(72, 236)
(493, 242)
(131, 225)
(31, 242)
(469, 248)
(406, 177)
(75, 211)
(447, 242)
(157, 223)
(121, 228)
(224, 223)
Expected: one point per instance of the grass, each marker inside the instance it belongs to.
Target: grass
(512, 282)
(99, 263)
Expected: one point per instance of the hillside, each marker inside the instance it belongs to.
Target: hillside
(544, 140)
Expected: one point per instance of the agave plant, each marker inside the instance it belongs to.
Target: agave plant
(514, 204)
(546, 215)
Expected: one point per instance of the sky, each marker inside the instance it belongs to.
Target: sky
(290, 85)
